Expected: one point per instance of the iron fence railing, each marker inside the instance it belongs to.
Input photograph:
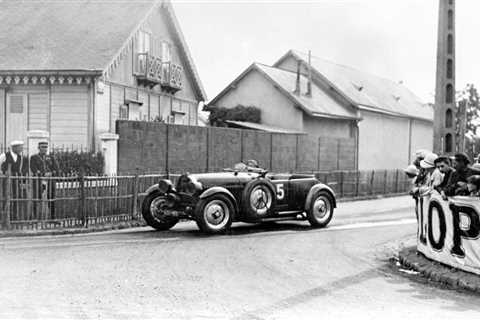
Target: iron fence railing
(80, 201)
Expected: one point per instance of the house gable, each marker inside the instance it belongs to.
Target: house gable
(159, 28)
(162, 26)
(252, 88)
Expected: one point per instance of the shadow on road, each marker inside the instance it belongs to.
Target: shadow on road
(190, 230)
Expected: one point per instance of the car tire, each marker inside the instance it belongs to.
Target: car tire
(266, 199)
(214, 214)
(320, 211)
(154, 219)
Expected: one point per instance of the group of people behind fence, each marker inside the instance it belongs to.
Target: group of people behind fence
(450, 176)
(40, 166)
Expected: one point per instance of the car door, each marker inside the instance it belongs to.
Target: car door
(282, 194)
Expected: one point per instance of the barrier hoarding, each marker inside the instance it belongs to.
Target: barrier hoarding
(448, 230)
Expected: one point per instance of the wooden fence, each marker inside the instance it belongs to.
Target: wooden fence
(68, 202)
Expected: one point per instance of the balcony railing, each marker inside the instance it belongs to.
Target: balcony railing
(150, 70)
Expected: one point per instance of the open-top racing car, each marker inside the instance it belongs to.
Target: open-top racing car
(244, 193)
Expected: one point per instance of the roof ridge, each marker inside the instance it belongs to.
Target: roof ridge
(351, 68)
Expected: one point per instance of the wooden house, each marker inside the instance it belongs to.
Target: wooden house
(71, 69)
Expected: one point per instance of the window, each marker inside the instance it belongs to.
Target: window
(449, 69)
(450, 44)
(449, 118)
(449, 94)
(166, 52)
(16, 104)
(123, 112)
(450, 20)
(448, 143)
(143, 42)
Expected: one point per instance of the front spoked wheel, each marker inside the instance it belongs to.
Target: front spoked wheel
(214, 214)
(153, 211)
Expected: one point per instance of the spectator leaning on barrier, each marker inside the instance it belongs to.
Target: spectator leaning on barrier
(422, 174)
(457, 184)
(443, 165)
(473, 186)
(434, 176)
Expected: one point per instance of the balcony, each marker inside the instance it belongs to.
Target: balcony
(150, 71)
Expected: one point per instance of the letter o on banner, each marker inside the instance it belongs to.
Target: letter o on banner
(436, 207)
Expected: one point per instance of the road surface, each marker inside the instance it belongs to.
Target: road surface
(278, 271)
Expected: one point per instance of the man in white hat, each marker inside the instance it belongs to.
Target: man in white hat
(14, 161)
(434, 176)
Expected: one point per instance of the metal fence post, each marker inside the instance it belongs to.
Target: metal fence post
(6, 208)
(83, 199)
(342, 180)
(135, 196)
(396, 181)
(385, 182)
(357, 187)
(372, 179)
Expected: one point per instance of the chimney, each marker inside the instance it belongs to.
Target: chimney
(297, 83)
(309, 83)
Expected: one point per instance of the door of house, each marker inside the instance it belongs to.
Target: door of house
(16, 117)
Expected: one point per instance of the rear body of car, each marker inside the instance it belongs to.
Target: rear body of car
(215, 200)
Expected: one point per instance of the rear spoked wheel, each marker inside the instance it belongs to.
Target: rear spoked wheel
(320, 211)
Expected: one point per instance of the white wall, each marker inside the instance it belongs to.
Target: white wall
(255, 90)
(422, 136)
(383, 142)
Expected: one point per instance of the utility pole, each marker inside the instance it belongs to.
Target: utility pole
(445, 113)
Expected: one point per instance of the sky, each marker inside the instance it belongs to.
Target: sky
(395, 39)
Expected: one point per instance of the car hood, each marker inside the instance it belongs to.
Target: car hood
(223, 178)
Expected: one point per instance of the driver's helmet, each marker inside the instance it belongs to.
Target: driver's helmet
(252, 163)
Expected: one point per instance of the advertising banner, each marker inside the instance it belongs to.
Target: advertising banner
(449, 230)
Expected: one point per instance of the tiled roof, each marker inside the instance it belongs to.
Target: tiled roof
(367, 90)
(318, 104)
(65, 35)
(57, 35)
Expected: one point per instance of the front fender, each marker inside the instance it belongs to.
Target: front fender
(152, 189)
(211, 191)
(315, 189)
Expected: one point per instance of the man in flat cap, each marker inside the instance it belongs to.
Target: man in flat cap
(43, 165)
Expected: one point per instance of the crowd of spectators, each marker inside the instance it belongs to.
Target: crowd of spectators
(450, 176)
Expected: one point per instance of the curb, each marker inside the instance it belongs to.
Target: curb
(437, 272)
(56, 232)
(372, 197)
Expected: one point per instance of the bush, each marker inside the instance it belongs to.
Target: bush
(218, 115)
(80, 162)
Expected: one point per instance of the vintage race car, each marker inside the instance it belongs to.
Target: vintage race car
(215, 200)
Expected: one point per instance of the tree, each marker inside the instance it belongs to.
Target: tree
(218, 115)
(468, 106)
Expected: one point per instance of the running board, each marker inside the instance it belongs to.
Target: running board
(293, 215)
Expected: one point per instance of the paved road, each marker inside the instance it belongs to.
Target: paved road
(277, 271)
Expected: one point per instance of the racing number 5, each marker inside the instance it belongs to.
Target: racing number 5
(280, 191)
